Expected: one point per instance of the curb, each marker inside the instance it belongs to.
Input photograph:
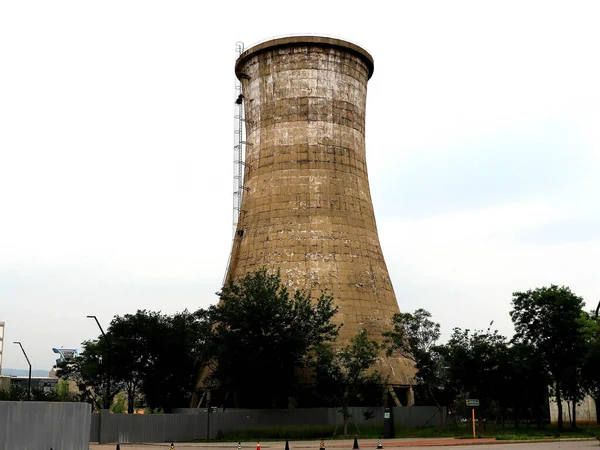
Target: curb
(391, 444)
(537, 441)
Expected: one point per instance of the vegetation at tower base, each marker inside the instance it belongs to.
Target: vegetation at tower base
(270, 347)
(552, 321)
(414, 337)
(263, 338)
(344, 376)
(507, 379)
(591, 365)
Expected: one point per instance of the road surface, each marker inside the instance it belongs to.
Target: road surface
(368, 444)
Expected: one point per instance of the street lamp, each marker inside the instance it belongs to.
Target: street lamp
(29, 383)
(107, 396)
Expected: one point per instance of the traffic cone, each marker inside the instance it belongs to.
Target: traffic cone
(258, 445)
(355, 446)
(239, 446)
(118, 447)
(379, 446)
(287, 445)
(322, 445)
(172, 446)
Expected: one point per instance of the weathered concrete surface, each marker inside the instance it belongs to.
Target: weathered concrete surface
(586, 411)
(307, 206)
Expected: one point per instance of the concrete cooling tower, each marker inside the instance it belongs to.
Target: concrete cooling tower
(306, 206)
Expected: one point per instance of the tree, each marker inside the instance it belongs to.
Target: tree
(170, 375)
(88, 370)
(13, 394)
(549, 319)
(477, 364)
(414, 336)
(154, 358)
(262, 337)
(62, 392)
(527, 383)
(591, 365)
(136, 342)
(344, 373)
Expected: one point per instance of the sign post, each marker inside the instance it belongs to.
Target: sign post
(473, 402)
(388, 423)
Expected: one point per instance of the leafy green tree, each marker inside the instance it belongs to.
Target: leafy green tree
(135, 340)
(89, 371)
(173, 364)
(414, 336)
(549, 319)
(345, 373)
(262, 337)
(14, 394)
(477, 365)
(154, 357)
(527, 383)
(62, 392)
(591, 365)
(118, 406)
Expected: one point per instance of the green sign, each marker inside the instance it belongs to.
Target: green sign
(472, 402)
(386, 415)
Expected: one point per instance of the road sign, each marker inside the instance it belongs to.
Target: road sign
(472, 402)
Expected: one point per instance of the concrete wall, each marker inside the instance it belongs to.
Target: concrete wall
(586, 411)
(306, 208)
(191, 424)
(42, 425)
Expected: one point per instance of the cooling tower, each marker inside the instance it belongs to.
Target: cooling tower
(306, 206)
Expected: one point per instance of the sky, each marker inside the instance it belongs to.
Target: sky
(116, 154)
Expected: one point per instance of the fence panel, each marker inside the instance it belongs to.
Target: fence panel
(191, 424)
(44, 425)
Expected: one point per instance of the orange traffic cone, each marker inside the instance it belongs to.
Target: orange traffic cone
(258, 445)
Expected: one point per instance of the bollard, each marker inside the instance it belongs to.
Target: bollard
(322, 445)
(118, 446)
(287, 445)
(239, 445)
(355, 446)
(172, 446)
(379, 446)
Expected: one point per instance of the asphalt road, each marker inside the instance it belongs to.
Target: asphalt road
(456, 444)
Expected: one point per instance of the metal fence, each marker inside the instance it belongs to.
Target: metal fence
(44, 425)
(192, 424)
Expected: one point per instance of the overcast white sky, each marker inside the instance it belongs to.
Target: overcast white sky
(116, 132)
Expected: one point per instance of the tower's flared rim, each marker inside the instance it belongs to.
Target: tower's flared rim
(290, 41)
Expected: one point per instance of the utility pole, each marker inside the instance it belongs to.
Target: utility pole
(29, 382)
(108, 367)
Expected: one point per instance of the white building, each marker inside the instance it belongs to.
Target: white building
(586, 411)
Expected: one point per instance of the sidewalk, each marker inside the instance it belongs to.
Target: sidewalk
(388, 444)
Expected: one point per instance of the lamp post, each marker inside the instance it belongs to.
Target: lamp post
(29, 382)
(107, 395)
